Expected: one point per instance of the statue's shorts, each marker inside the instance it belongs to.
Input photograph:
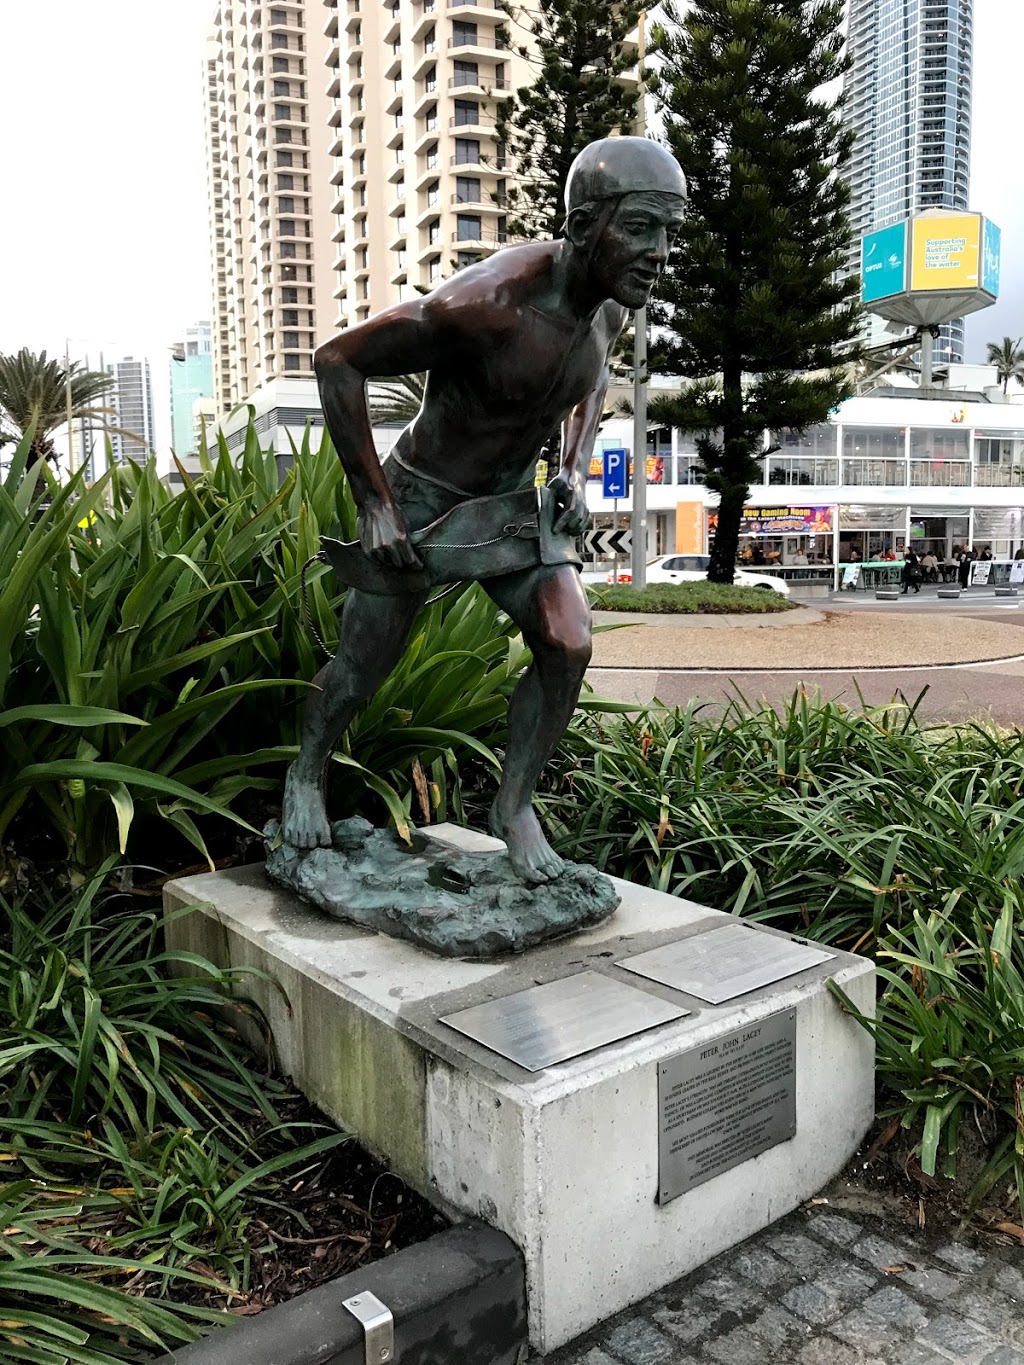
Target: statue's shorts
(457, 538)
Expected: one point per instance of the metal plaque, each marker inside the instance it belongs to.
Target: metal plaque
(720, 964)
(725, 1102)
(538, 1027)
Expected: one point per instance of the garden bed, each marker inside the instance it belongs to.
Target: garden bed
(689, 599)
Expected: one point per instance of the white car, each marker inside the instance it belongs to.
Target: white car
(694, 569)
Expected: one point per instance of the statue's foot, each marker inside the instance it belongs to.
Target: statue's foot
(529, 852)
(304, 822)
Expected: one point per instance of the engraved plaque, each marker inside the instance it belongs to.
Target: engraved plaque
(720, 964)
(725, 1102)
(546, 1024)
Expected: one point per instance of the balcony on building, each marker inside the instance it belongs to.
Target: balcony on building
(425, 16)
(482, 43)
(352, 19)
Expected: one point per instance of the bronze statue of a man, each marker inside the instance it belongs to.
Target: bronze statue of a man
(516, 347)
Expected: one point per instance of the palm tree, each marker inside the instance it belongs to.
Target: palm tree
(34, 393)
(1008, 359)
(397, 400)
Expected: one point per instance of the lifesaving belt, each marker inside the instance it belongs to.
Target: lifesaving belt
(480, 538)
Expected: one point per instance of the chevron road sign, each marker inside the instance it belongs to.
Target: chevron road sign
(604, 544)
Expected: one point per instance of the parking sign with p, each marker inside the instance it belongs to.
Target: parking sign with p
(615, 474)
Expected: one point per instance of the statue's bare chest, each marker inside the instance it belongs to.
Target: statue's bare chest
(541, 365)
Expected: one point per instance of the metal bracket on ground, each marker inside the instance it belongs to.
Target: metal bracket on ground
(378, 1326)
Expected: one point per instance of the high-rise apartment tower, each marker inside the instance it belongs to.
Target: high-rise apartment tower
(267, 137)
(133, 400)
(191, 377)
(908, 98)
(353, 162)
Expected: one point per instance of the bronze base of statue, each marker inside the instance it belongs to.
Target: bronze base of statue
(465, 905)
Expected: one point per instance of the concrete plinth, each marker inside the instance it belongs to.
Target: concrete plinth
(565, 1160)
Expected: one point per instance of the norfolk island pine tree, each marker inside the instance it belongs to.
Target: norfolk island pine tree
(750, 310)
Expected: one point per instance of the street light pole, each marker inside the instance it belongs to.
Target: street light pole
(68, 404)
(638, 520)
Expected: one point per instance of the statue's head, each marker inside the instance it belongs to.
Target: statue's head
(624, 201)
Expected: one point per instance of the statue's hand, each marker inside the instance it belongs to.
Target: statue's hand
(384, 538)
(571, 511)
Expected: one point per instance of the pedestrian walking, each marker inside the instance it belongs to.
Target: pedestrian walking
(964, 562)
(912, 574)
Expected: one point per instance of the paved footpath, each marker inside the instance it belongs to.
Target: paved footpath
(827, 1288)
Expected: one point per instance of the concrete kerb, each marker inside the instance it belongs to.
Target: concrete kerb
(769, 620)
(459, 1296)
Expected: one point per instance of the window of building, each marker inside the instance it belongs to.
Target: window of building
(282, 111)
(364, 289)
(363, 257)
(285, 203)
(286, 227)
(361, 196)
(467, 189)
(434, 232)
(463, 34)
(290, 341)
(400, 188)
(433, 194)
(432, 157)
(466, 111)
(430, 80)
(279, 64)
(466, 73)
(278, 16)
(399, 154)
(282, 88)
(464, 258)
(501, 191)
(290, 296)
(290, 317)
(434, 268)
(293, 362)
(501, 229)
(467, 151)
(400, 222)
(286, 182)
(398, 117)
(467, 227)
(283, 159)
(402, 258)
(430, 40)
(358, 132)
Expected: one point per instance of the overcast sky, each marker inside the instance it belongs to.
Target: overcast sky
(103, 233)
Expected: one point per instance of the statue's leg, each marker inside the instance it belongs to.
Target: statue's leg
(551, 609)
(373, 635)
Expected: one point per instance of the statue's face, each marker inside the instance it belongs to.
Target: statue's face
(632, 250)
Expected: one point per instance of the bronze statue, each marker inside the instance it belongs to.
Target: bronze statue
(515, 347)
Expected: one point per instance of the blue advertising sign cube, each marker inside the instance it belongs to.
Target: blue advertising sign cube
(990, 252)
(883, 262)
(615, 475)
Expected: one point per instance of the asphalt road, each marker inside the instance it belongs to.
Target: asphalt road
(992, 691)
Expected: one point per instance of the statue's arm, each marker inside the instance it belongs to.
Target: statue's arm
(578, 436)
(401, 340)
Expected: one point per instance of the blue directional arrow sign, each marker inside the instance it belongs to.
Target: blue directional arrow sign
(615, 476)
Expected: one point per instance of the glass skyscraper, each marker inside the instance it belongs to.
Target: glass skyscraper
(908, 98)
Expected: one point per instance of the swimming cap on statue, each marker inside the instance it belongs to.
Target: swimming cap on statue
(614, 166)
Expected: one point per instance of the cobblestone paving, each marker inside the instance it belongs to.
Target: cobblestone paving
(824, 1288)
